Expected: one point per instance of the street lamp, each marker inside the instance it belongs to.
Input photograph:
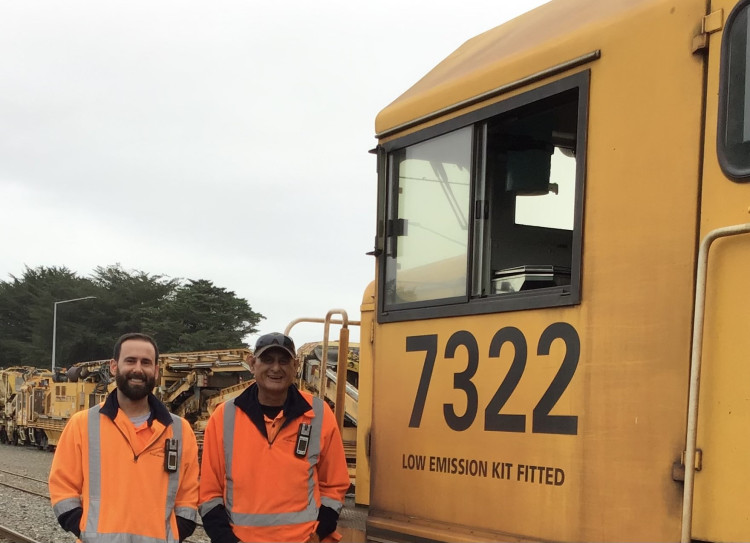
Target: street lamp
(54, 324)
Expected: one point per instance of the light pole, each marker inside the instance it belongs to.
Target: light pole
(54, 324)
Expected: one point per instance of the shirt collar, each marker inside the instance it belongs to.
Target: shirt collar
(158, 410)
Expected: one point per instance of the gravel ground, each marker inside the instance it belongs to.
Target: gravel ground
(32, 516)
(24, 513)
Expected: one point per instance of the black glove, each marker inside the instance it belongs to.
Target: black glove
(185, 527)
(217, 526)
(327, 521)
(71, 521)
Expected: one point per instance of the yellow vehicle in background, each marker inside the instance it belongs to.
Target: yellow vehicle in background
(555, 344)
(12, 380)
(310, 379)
(189, 381)
(36, 404)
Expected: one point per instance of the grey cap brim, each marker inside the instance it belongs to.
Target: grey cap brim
(269, 347)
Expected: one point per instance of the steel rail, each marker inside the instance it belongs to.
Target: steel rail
(23, 476)
(32, 492)
(15, 537)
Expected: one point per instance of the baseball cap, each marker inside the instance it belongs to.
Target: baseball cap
(277, 340)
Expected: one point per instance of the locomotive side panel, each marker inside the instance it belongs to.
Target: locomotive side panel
(550, 423)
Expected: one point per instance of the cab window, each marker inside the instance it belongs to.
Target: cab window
(733, 143)
(483, 213)
(428, 234)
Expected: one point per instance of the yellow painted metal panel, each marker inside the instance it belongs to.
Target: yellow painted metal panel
(629, 390)
(365, 401)
(550, 34)
(722, 487)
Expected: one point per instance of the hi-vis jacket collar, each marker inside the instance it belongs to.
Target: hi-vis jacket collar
(294, 406)
(158, 409)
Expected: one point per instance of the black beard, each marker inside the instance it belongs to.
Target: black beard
(138, 392)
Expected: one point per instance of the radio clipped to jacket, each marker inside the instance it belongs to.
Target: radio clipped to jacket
(171, 448)
(303, 439)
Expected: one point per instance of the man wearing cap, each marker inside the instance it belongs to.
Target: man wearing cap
(273, 464)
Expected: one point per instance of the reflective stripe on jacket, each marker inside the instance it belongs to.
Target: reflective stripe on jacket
(125, 491)
(269, 492)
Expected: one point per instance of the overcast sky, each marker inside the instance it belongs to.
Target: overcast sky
(224, 140)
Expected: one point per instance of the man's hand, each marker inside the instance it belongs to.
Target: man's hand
(313, 538)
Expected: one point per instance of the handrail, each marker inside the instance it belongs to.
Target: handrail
(343, 352)
(695, 367)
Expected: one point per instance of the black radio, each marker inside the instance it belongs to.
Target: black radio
(170, 455)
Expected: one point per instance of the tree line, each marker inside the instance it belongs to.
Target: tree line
(181, 315)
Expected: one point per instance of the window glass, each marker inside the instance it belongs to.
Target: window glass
(526, 237)
(426, 257)
(734, 118)
(484, 212)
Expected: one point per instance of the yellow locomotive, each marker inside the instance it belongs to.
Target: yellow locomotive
(555, 344)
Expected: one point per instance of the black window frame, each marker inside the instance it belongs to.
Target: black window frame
(728, 152)
(567, 295)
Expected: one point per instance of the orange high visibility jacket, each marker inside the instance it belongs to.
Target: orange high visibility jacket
(272, 491)
(126, 492)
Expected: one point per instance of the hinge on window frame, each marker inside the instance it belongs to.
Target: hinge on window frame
(713, 22)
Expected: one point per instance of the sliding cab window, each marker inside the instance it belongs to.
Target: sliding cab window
(733, 143)
(483, 212)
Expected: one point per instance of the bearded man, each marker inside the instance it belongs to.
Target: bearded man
(127, 469)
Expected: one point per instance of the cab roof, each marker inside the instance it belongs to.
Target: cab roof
(548, 35)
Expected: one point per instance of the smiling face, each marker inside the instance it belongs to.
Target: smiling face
(135, 370)
(275, 370)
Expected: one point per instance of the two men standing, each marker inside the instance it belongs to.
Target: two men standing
(273, 460)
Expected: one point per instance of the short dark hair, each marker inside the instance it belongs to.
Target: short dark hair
(135, 335)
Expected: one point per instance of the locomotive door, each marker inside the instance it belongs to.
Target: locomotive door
(720, 510)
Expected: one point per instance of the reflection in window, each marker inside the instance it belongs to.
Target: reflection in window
(555, 208)
(428, 237)
(734, 115)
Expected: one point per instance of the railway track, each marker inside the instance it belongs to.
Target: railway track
(29, 485)
(38, 487)
(6, 534)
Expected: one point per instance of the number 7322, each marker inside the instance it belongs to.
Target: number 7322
(542, 421)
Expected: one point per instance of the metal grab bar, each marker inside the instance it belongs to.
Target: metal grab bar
(343, 352)
(695, 368)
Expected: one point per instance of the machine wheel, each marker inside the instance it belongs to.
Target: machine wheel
(40, 439)
(74, 373)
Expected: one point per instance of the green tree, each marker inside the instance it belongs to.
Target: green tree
(26, 315)
(126, 300)
(190, 316)
(200, 316)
